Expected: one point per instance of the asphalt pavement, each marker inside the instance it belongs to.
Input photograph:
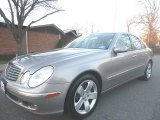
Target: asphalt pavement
(135, 100)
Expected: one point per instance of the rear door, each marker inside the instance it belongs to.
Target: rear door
(141, 58)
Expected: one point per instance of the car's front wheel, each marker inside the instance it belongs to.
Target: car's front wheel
(83, 96)
(148, 71)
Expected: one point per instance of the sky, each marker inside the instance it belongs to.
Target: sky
(89, 15)
(104, 15)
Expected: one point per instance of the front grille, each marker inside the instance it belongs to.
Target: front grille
(13, 72)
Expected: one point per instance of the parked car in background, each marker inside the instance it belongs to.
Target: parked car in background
(71, 79)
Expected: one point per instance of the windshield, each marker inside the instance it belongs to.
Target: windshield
(93, 41)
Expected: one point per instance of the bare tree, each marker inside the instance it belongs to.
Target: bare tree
(77, 28)
(81, 30)
(22, 9)
(149, 18)
(84, 30)
(129, 24)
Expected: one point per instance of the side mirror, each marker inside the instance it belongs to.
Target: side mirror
(120, 49)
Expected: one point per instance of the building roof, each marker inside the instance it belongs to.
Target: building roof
(48, 28)
(41, 28)
(71, 32)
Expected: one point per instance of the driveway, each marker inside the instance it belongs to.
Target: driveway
(135, 100)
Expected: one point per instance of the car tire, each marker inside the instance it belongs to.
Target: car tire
(83, 96)
(148, 72)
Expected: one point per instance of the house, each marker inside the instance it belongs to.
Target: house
(70, 35)
(37, 39)
(43, 38)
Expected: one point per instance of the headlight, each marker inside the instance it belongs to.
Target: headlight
(25, 77)
(40, 76)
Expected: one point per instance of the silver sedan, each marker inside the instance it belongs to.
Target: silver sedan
(71, 79)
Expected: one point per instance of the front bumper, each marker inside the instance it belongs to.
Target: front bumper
(36, 102)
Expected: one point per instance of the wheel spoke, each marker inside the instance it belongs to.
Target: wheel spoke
(80, 90)
(79, 104)
(87, 106)
(92, 95)
(149, 71)
(89, 87)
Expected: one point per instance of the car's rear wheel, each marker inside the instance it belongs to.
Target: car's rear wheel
(148, 71)
(83, 96)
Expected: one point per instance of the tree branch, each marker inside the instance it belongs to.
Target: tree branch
(30, 8)
(12, 15)
(41, 18)
(7, 21)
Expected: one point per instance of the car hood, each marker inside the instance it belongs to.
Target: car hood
(49, 58)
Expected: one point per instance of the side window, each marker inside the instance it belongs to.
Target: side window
(136, 43)
(143, 45)
(124, 41)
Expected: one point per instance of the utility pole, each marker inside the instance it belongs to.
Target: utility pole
(115, 16)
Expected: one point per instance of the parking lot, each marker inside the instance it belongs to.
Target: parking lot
(136, 100)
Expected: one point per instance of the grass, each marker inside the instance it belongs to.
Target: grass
(3, 62)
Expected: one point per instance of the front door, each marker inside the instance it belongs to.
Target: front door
(123, 63)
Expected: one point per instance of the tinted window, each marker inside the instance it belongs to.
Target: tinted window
(93, 41)
(124, 41)
(136, 43)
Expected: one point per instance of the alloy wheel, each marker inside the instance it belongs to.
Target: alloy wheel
(85, 97)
